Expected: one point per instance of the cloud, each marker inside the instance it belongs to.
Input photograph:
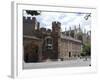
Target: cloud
(67, 19)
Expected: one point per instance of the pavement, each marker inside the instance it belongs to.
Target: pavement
(53, 64)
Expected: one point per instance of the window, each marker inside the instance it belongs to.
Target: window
(49, 43)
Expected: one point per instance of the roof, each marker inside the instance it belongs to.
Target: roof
(31, 37)
(70, 38)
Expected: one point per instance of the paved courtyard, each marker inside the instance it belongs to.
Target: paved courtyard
(67, 63)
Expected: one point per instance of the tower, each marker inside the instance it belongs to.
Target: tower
(29, 25)
(56, 26)
(34, 23)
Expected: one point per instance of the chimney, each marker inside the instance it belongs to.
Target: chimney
(34, 23)
(69, 31)
(38, 26)
(43, 30)
(79, 28)
(75, 32)
(48, 30)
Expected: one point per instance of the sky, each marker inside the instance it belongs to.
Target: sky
(67, 20)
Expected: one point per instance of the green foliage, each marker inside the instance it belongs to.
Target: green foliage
(86, 49)
(83, 54)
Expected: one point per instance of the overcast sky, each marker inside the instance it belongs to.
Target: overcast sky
(67, 20)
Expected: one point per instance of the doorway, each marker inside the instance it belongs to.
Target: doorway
(69, 54)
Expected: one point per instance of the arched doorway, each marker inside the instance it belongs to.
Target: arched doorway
(31, 52)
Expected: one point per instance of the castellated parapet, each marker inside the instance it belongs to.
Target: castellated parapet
(56, 27)
(31, 25)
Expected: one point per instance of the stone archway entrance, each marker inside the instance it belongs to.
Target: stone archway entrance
(31, 52)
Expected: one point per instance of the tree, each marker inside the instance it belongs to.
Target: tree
(87, 49)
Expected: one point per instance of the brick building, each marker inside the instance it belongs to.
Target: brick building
(40, 43)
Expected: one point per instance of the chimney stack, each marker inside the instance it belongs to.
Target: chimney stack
(69, 31)
(75, 32)
(34, 23)
(38, 26)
